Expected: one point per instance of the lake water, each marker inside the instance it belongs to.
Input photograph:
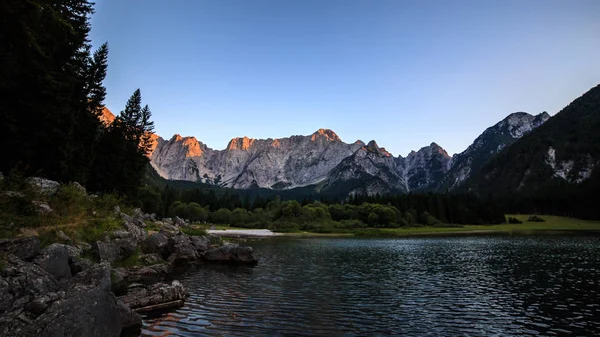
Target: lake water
(474, 286)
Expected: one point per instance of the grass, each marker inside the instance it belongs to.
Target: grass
(552, 223)
(194, 231)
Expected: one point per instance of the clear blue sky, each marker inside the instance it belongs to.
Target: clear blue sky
(402, 72)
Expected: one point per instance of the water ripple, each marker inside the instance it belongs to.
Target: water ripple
(492, 286)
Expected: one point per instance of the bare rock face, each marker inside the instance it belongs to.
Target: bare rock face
(23, 248)
(320, 158)
(324, 159)
(490, 142)
(45, 186)
(272, 163)
(425, 169)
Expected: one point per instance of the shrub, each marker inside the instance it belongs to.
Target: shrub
(193, 231)
(514, 220)
(535, 218)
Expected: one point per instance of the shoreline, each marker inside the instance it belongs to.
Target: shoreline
(413, 232)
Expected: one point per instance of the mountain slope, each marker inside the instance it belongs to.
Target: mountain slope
(560, 158)
(425, 169)
(272, 163)
(490, 142)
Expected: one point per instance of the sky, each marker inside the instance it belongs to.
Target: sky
(402, 72)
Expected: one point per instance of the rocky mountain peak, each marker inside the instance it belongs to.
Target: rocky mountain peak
(326, 134)
(106, 116)
(374, 148)
(435, 148)
(520, 123)
(238, 143)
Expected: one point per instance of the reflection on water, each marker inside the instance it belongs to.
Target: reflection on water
(496, 286)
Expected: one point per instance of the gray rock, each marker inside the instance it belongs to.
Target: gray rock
(80, 265)
(106, 251)
(179, 222)
(132, 321)
(120, 234)
(55, 260)
(45, 186)
(231, 253)
(181, 249)
(138, 214)
(126, 248)
(80, 188)
(73, 251)
(151, 259)
(22, 286)
(42, 207)
(201, 243)
(156, 243)
(34, 303)
(23, 248)
(147, 274)
(155, 294)
(13, 194)
(62, 236)
(98, 276)
(84, 246)
(136, 229)
(84, 311)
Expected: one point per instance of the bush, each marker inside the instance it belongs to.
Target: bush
(193, 231)
(514, 220)
(535, 218)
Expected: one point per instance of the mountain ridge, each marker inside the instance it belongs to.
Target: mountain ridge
(323, 160)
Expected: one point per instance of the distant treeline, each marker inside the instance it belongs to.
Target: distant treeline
(232, 207)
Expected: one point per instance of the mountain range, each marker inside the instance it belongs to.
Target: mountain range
(324, 162)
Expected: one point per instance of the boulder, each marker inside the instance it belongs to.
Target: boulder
(106, 251)
(136, 230)
(161, 295)
(231, 253)
(23, 248)
(201, 243)
(79, 265)
(148, 274)
(151, 259)
(132, 322)
(181, 249)
(26, 290)
(156, 243)
(125, 247)
(98, 276)
(45, 186)
(55, 260)
(62, 236)
(138, 214)
(80, 188)
(42, 207)
(177, 221)
(84, 311)
(34, 303)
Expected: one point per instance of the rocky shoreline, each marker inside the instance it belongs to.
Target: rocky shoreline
(82, 289)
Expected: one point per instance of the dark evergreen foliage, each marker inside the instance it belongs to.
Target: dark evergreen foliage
(521, 180)
(53, 95)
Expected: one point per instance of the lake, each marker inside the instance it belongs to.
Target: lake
(487, 285)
